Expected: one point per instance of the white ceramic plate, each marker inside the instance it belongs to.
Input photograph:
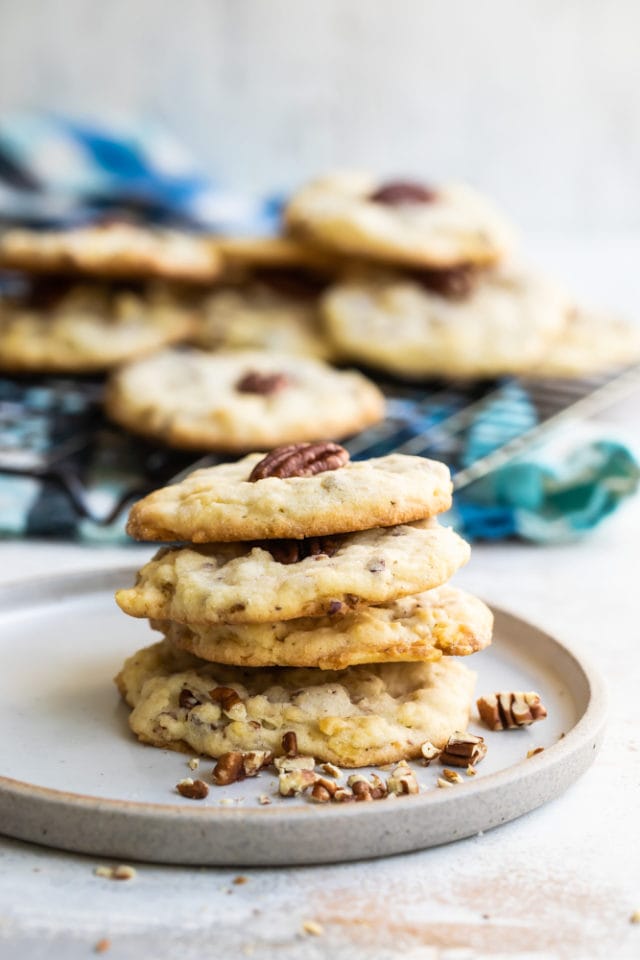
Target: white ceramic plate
(73, 776)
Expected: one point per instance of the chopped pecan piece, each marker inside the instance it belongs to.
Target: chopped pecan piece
(398, 192)
(402, 779)
(455, 283)
(293, 783)
(508, 710)
(463, 749)
(254, 760)
(287, 764)
(187, 699)
(331, 769)
(429, 752)
(262, 383)
(300, 460)
(342, 795)
(452, 776)
(193, 789)
(319, 793)
(290, 743)
(378, 787)
(323, 790)
(229, 768)
(364, 790)
(230, 702)
(360, 787)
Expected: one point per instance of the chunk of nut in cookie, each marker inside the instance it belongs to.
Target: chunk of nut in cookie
(400, 192)
(293, 551)
(263, 384)
(454, 283)
(230, 702)
(290, 743)
(187, 699)
(300, 460)
(462, 749)
(508, 710)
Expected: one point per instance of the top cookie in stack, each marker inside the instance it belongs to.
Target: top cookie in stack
(336, 573)
(87, 299)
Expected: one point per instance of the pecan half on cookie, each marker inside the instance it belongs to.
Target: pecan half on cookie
(300, 460)
(262, 383)
(403, 191)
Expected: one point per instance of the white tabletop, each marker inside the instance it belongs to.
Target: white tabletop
(561, 882)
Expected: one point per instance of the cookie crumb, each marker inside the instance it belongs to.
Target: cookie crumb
(194, 763)
(443, 783)
(121, 872)
(263, 799)
(312, 927)
(635, 917)
(471, 771)
(532, 753)
(240, 880)
(102, 946)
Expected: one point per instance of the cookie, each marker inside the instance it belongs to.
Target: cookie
(591, 343)
(503, 325)
(363, 715)
(247, 583)
(401, 223)
(242, 254)
(221, 503)
(416, 628)
(66, 327)
(111, 249)
(262, 315)
(238, 401)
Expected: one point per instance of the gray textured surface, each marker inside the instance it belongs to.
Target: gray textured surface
(538, 101)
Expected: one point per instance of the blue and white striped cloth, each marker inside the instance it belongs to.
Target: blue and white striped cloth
(56, 171)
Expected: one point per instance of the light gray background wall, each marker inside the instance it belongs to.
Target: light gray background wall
(538, 101)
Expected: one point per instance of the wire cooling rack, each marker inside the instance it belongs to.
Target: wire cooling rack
(82, 469)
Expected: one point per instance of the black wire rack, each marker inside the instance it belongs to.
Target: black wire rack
(53, 432)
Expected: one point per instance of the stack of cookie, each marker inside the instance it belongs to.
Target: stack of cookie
(87, 299)
(437, 292)
(268, 297)
(309, 600)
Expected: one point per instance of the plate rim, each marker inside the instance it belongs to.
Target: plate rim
(588, 727)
